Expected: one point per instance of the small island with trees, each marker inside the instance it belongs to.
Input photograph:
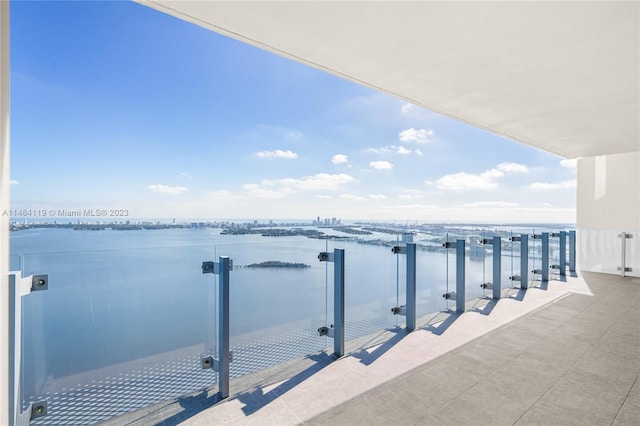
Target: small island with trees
(277, 264)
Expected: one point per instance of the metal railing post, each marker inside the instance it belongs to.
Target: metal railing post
(623, 268)
(572, 251)
(224, 353)
(524, 261)
(337, 328)
(459, 294)
(460, 276)
(409, 309)
(545, 256)
(497, 267)
(496, 285)
(411, 286)
(225, 356)
(338, 302)
(563, 253)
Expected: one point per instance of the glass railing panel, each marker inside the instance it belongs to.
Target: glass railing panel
(117, 330)
(375, 282)
(277, 301)
(600, 250)
(431, 272)
(476, 267)
(632, 254)
(510, 261)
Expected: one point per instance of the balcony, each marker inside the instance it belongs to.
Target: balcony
(128, 332)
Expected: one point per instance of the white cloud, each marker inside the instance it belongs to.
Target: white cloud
(220, 195)
(416, 135)
(165, 189)
(352, 197)
(570, 164)
(416, 112)
(395, 149)
(324, 197)
(408, 108)
(186, 176)
(489, 204)
(408, 194)
(381, 165)
(465, 181)
(377, 196)
(278, 153)
(545, 186)
(485, 181)
(381, 150)
(256, 190)
(512, 168)
(317, 182)
(339, 159)
(14, 182)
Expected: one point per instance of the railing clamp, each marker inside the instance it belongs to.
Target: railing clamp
(399, 310)
(214, 267)
(325, 256)
(326, 331)
(450, 296)
(210, 362)
(399, 249)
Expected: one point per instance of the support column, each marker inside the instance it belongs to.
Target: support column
(6, 346)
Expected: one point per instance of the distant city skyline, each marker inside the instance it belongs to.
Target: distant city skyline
(116, 106)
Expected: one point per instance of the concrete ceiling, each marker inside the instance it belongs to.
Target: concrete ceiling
(560, 76)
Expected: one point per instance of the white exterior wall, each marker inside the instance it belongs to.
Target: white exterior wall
(5, 347)
(608, 203)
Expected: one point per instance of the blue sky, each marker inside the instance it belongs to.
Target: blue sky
(117, 106)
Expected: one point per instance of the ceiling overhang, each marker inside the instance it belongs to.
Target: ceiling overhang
(560, 76)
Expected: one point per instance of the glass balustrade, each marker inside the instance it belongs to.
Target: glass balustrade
(120, 329)
(116, 330)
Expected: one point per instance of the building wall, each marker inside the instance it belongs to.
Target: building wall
(608, 203)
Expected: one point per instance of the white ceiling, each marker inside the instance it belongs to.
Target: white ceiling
(561, 76)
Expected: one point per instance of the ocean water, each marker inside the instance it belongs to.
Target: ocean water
(130, 311)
